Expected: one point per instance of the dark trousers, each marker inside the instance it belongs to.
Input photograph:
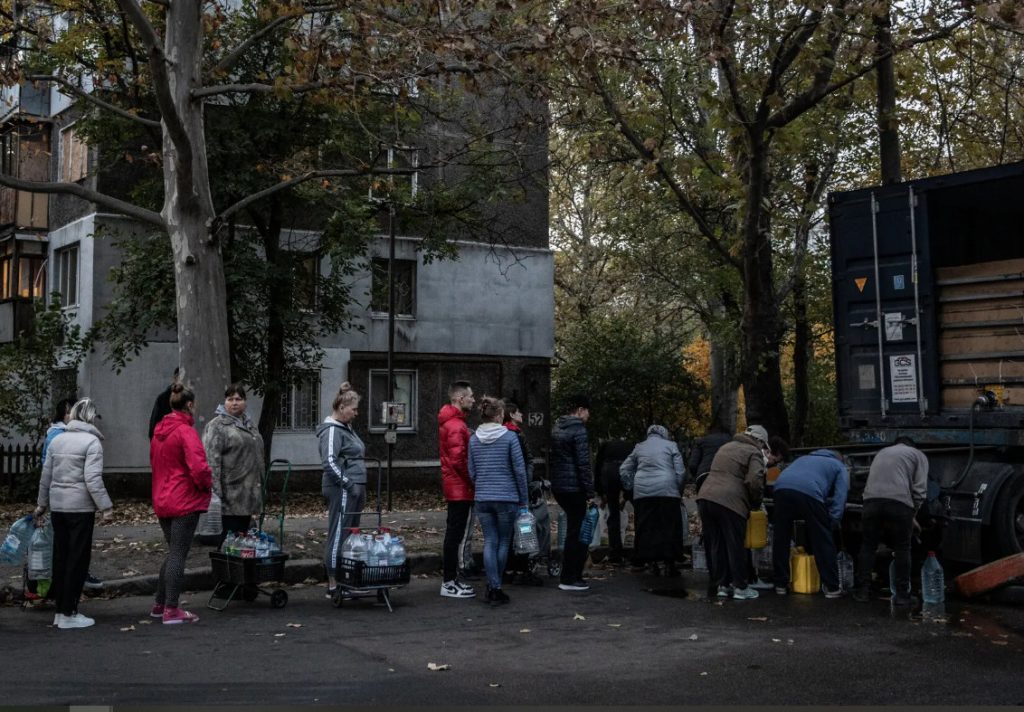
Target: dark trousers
(724, 531)
(178, 533)
(574, 555)
(72, 551)
(790, 506)
(454, 531)
(613, 493)
(892, 522)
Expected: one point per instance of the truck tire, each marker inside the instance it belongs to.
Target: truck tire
(1004, 534)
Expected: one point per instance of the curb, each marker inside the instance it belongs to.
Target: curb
(201, 578)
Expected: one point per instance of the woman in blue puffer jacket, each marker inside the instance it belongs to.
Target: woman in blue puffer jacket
(498, 471)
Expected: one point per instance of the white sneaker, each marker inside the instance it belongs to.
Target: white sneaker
(57, 618)
(457, 589)
(760, 585)
(744, 594)
(75, 620)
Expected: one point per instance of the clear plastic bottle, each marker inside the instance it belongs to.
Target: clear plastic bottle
(933, 588)
(396, 551)
(525, 538)
(348, 545)
(227, 545)
(589, 525)
(262, 546)
(844, 562)
(378, 552)
(40, 553)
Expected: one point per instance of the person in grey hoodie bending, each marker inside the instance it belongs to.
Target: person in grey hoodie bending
(344, 481)
(654, 472)
(498, 471)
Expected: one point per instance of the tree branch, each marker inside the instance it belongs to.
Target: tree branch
(234, 55)
(92, 99)
(106, 201)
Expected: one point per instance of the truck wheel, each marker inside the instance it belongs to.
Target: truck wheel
(1005, 532)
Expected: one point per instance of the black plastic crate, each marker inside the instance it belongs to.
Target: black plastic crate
(228, 568)
(358, 574)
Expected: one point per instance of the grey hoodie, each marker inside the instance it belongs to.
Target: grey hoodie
(341, 452)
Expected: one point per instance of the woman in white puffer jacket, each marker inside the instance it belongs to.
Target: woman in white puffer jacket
(72, 490)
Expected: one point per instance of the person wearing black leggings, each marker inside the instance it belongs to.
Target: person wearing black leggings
(182, 483)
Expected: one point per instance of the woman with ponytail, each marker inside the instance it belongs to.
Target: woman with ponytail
(182, 483)
(344, 480)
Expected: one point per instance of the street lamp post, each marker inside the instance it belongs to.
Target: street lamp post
(391, 436)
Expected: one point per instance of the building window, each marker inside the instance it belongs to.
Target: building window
(66, 268)
(306, 268)
(405, 392)
(21, 269)
(74, 156)
(403, 186)
(405, 287)
(300, 402)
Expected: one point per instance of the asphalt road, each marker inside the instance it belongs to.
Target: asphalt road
(637, 640)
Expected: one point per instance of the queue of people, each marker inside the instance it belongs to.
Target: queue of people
(488, 476)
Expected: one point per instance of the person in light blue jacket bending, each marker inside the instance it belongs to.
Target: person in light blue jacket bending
(498, 471)
(813, 488)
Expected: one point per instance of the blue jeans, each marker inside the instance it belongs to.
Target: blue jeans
(497, 520)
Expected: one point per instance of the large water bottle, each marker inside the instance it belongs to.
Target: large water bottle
(262, 546)
(228, 546)
(933, 588)
(378, 552)
(844, 563)
(40, 553)
(525, 538)
(15, 546)
(348, 546)
(396, 551)
(589, 524)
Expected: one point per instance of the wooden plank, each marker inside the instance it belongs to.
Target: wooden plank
(1003, 309)
(971, 342)
(981, 269)
(960, 397)
(990, 576)
(984, 371)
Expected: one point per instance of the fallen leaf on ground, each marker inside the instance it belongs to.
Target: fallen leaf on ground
(776, 640)
(578, 617)
(300, 546)
(703, 674)
(145, 622)
(131, 627)
(280, 635)
(693, 637)
(758, 618)
(614, 625)
(525, 630)
(994, 642)
(494, 684)
(294, 625)
(436, 667)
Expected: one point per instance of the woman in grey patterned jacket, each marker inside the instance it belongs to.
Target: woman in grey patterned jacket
(234, 449)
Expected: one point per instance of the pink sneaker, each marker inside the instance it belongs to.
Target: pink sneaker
(157, 611)
(173, 616)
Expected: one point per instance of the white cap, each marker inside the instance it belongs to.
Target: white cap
(758, 433)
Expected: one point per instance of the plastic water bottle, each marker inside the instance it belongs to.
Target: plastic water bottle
(525, 539)
(379, 552)
(227, 546)
(933, 588)
(396, 551)
(15, 546)
(262, 546)
(562, 523)
(844, 562)
(40, 553)
(589, 524)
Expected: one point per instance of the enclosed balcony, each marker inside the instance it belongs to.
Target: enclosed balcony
(22, 279)
(25, 154)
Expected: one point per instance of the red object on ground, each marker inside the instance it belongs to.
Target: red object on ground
(990, 576)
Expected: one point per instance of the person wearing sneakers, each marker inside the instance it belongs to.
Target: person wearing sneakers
(813, 488)
(498, 471)
(897, 486)
(572, 484)
(734, 486)
(72, 489)
(453, 444)
(344, 479)
(182, 484)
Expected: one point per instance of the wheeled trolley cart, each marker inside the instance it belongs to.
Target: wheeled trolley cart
(358, 579)
(240, 574)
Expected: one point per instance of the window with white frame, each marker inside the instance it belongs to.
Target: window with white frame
(74, 156)
(405, 392)
(300, 402)
(403, 186)
(66, 274)
(405, 287)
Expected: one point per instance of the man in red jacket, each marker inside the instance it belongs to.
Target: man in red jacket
(453, 441)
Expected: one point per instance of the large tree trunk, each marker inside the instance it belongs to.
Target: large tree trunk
(888, 125)
(762, 372)
(188, 210)
(724, 374)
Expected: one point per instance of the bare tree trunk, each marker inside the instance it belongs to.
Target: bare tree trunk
(188, 210)
(801, 322)
(888, 125)
(762, 372)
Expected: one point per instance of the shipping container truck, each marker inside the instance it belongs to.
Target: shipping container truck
(928, 299)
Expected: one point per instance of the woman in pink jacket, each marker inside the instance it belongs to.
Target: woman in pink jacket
(181, 492)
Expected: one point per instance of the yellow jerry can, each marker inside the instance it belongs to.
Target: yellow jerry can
(803, 571)
(757, 530)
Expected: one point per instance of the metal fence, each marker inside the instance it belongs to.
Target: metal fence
(16, 461)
